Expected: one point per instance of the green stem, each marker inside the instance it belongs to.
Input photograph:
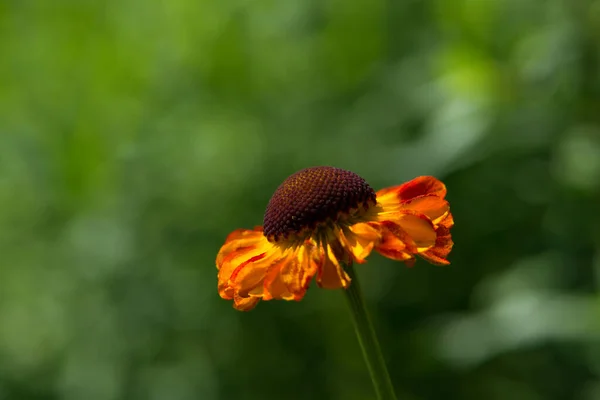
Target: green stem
(368, 340)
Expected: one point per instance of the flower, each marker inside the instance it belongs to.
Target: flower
(321, 218)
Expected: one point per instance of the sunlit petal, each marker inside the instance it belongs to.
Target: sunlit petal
(288, 278)
(419, 228)
(395, 243)
(360, 239)
(241, 246)
(432, 206)
(331, 275)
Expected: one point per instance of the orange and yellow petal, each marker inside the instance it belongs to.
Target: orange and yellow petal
(419, 228)
(439, 253)
(434, 207)
(415, 219)
(289, 277)
(359, 240)
(240, 246)
(396, 244)
(251, 268)
(331, 274)
(423, 195)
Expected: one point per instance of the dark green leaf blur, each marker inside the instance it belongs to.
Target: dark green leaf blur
(135, 135)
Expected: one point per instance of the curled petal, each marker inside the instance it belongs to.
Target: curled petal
(238, 239)
(430, 201)
(443, 245)
(432, 206)
(245, 303)
(422, 185)
(415, 213)
(419, 228)
(392, 198)
(250, 275)
(240, 246)
(396, 244)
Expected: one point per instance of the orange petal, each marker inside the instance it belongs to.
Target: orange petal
(247, 279)
(251, 268)
(289, 278)
(419, 228)
(273, 284)
(424, 195)
(244, 250)
(297, 279)
(331, 275)
(238, 239)
(245, 303)
(447, 221)
(240, 246)
(443, 245)
(415, 212)
(395, 243)
(359, 239)
(434, 207)
(420, 186)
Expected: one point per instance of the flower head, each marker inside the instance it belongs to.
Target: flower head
(321, 218)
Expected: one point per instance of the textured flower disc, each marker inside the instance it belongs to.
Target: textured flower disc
(314, 196)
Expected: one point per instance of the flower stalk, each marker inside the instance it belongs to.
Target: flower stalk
(368, 339)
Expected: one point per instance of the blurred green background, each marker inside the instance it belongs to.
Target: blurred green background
(135, 135)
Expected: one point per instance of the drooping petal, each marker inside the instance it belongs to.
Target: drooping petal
(274, 286)
(240, 246)
(238, 239)
(360, 239)
(419, 228)
(331, 274)
(415, 211)
(289, 278)
(432, 206)
(443, 245)
(245, 303)
(251, 268)
(251, 274)
(396, 244)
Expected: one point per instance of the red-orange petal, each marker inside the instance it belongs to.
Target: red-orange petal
(420, 186)
(443, 245)
(415, 211)
(434, 207)
(395, 244)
